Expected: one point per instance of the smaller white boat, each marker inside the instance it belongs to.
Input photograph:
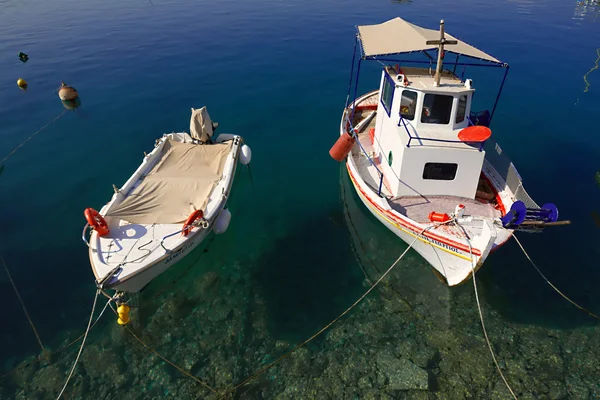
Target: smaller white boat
(175, 198)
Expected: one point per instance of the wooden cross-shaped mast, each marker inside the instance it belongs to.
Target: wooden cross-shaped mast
(443, 41)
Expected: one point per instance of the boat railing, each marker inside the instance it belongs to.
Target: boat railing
(402, 122)
(83, 234)
(507, 171)
(355, 136)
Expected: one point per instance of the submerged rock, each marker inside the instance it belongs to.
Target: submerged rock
(402, 374)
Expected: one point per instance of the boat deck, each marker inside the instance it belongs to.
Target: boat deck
(418, 208)
(368, 172)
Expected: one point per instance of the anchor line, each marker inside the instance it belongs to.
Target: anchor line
(595, 67)
(591, 314)
(62, 348)
(304, 343)
(31, 137)
(177, 367)
(487, 339)
(87, 330)
(362, 246)
(377, 282)
(37, 336)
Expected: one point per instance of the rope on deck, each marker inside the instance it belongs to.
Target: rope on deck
(591, 314)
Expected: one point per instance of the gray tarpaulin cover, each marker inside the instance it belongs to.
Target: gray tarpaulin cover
(398, 36)
(179, 183)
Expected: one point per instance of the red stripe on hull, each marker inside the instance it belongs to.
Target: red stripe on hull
(413, 228)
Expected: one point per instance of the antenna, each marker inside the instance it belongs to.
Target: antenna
(440, 43)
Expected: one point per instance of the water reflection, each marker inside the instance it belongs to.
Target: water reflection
(587, 9)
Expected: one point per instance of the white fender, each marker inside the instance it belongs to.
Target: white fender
(222, 222)
(245, 154)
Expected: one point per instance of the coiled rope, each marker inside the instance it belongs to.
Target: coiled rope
(591, 314)
(31, 137)
(487, 339)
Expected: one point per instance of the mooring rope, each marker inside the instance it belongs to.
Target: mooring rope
(31, 137)
(59, 350)
(177, 367)
(595, 67)
(487, 339)
(354, 229)
(87, 330)
(304, 343)
(381, 278)
(37, 336)
(591, 314)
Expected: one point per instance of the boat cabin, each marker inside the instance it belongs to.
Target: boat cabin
(417, 134)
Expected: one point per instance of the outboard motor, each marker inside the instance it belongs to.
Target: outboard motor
(202, 128)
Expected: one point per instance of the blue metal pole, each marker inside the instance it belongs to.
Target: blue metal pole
(427, 62)
(380, 184)
(499, 92)
(455, 64)
(351, 71)
(355, 89)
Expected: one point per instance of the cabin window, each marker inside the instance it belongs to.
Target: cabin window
(390, 158)
(436, 109)
(408, 104)
(461, 110)
(440, 171)
(387, 94)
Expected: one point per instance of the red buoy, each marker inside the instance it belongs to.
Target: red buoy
(438, 217)
(342, 147)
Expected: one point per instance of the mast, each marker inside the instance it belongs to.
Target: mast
(443, 41)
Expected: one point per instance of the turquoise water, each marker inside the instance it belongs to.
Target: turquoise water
(277, 73)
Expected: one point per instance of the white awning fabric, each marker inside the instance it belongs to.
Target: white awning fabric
(398, 36)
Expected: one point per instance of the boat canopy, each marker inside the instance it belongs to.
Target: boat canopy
(180, 182)
(397, 36)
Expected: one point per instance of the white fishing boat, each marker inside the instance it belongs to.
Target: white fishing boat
(421, 161)
(175, 198)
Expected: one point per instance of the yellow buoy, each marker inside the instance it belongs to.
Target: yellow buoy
(123, 311)
(22, 84)
(67, 92)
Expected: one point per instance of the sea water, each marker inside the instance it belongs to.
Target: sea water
(301, 247)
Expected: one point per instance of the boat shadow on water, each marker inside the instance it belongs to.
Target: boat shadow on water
(308, 276)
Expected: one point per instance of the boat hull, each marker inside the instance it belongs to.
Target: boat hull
(141, 279)
(134, 254)
(453, 266)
